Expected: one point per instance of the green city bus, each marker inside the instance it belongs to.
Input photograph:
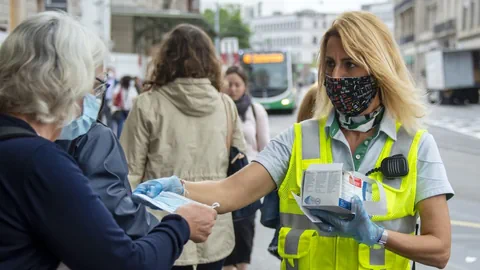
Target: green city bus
(270, 79)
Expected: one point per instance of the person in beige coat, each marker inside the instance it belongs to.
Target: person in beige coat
(179, 128)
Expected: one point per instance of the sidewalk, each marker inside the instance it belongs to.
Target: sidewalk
(464, 119)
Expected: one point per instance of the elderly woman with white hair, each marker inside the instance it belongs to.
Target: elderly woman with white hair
(49, 77)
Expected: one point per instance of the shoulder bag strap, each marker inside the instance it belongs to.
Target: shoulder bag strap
(229, 123)
(256, 123)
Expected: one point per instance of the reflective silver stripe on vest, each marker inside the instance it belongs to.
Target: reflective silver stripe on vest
(301, 222)
(289, 267)
(310, 139)
(401, 146)
(291, 246)
(377, 256)
(291, 241)
(402, 225)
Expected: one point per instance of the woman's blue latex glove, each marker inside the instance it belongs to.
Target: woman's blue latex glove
(152, 188)
(360, 228)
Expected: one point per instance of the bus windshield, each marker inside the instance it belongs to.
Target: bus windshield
(267, 76)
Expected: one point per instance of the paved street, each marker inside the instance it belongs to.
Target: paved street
(456, 130)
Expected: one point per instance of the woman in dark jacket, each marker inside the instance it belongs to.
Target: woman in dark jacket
(100, 156)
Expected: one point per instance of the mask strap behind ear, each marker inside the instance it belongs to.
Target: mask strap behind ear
(101, 106)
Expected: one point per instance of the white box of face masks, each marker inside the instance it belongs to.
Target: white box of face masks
(328, 187)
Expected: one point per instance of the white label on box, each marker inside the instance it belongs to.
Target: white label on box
(328, 187)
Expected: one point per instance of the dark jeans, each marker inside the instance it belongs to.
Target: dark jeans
(209, 266)
(120, 117)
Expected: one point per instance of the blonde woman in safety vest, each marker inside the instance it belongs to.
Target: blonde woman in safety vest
(368, 109)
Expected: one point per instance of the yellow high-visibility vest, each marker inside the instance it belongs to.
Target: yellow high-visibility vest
(302, 246)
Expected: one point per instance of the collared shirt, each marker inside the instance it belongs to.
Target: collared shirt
(432, 178)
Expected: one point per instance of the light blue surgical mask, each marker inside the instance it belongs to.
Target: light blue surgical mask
(81, 125)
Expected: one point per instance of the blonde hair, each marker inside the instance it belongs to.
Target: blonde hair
(368, 41)
(307, 108)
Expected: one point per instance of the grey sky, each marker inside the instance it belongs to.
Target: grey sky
(289, 6)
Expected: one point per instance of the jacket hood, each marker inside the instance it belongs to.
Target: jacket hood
(194, 97)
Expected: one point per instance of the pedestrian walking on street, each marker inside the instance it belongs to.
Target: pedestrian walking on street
(49, 214)
(257, 134)
(368, 109)
(180, 127)
(106, 112)
(123, 97)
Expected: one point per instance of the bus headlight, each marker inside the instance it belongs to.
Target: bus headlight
(285, 101)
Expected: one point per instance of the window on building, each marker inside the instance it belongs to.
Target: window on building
(167, 4)
(478, 12)
(464, 17)
(56, 5)
(410, 22)
(315, 24)
(430, 17)
(324, 23)
(472, 14)
(315, 41)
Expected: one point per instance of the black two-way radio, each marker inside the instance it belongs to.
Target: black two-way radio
(392, 167)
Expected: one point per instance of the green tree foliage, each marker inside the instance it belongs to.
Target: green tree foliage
(231, 24)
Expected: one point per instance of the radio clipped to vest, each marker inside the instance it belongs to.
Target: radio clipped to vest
(392, 167)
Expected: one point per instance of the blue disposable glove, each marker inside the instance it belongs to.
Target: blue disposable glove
(360, 228)
(152, 188)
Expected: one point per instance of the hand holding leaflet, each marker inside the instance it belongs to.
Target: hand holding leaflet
(166, 201)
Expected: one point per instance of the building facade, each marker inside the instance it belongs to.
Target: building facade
(32, 7)
(300, 33)
(136, 26)
(131, 28)
(425, 25)
(384, 11)
(468, 12)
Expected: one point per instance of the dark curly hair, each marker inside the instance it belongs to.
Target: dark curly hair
(185, 52)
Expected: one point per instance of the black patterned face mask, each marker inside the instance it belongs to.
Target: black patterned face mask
(351, 96)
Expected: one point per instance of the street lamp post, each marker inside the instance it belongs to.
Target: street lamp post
(18, 12)
(217, 28)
